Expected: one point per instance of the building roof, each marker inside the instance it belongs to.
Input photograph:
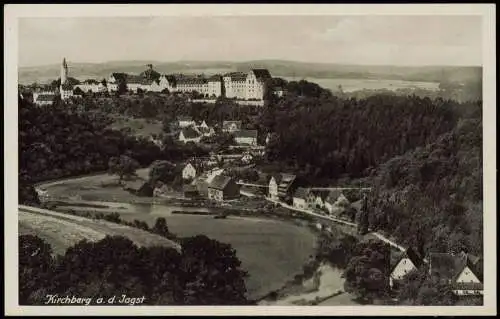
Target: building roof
(246, 134)
(227, 124)
(137, 79)
(449, 266)
(236, 76)
(215, 78)
(197, 165)
(220, 182)
(191, 80)
(189, 132)
(185, 118)
(90, 81)
(302, 192)
(45, 98)
(119, 76)
(333, 195)
(409, 253)
(321, 193)
(261, 74)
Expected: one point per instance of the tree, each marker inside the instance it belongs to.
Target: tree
(367, 271)
(35, 269)
(161, 227)
(212, 272)
(123, 166)
(122, 88)
(78, 91)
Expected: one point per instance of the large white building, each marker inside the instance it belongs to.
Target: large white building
(238, 85)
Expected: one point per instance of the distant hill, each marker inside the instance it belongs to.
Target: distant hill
(282, 68)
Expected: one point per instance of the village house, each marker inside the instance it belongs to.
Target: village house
(300, 197)
(223, 188)
(191, 170)
(185, 121)
(334, 202)
(317, 198)
(231, 126)
(402, 263)
(246, 137)
(273, 186)
(464, 272)
(205, 130)
(190, 191)
(287, 187)
(246, 158)
(189, 134)
(44, 98)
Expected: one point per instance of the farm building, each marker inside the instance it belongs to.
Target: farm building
(402, 264)
(286, 187)
(300, 198)
(463, 271)
(223, 188)
(185, 121)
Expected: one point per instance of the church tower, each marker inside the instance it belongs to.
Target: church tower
(64, 71)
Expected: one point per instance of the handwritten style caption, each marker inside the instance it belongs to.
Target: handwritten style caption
(86, 301)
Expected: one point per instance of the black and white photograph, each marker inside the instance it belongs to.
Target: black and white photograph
(322, 159)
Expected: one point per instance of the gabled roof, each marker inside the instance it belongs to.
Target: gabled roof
(220, 182)
(261, 74)
(197, 165)
(277, 178)
(45, 98)
(287, 178)
(189, 132)
(333, 195)
(320, 193)
(449, 266)
(90, 81)
(302, 192)
(246, 133)
(236, 76)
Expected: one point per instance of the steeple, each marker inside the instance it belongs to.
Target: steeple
(64, 71)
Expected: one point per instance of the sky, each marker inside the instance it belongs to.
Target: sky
(364, 40)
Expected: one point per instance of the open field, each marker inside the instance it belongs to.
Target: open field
(62, 230)
(102, 187)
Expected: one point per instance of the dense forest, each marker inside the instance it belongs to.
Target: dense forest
(423, 157)
(204, 272)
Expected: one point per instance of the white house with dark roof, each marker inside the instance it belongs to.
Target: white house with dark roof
(300, 197)
(464, 272)
(402, 264)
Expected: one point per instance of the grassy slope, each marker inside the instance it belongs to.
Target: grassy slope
(63, 230)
